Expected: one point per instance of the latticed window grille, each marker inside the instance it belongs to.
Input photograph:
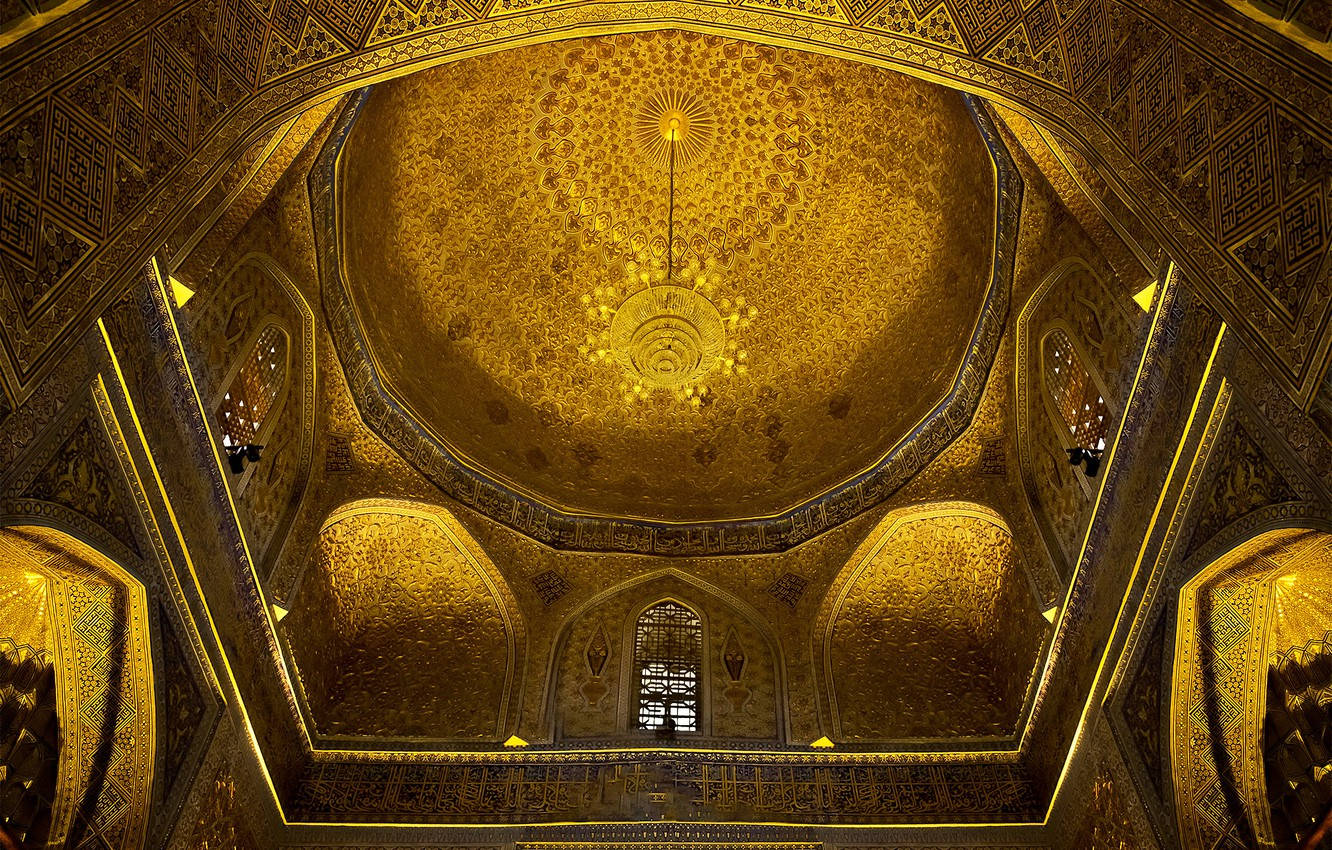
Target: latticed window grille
(254, 389)
(1075, 395)
(668, 657)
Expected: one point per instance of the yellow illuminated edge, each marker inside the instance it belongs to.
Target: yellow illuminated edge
(252, 738)
(1172, 276)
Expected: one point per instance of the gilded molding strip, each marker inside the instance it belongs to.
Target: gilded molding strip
(561, 529)
(673, 787)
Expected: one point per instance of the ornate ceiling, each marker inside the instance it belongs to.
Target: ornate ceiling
(841, 218)
(121, 122)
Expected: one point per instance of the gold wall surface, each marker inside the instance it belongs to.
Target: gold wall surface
(248, 296)
(593, 695)
(931, 631)
(352, 463)
(96, 635)
(488, 204)
(402, 628)
(1219, 142)
(1266, 596)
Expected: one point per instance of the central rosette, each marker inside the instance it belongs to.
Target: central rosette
(675, 175)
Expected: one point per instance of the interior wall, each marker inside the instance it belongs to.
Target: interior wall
(600, 706)
(403, 627)
(87, 609)
(222, 329)
(1104, 325)
(1264, 597)
(931, 630)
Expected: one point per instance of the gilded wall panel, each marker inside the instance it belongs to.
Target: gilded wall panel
(938, 591)
(202, 245)
(96, 627)
(223, 322)
(1112, 818)
(214, 813)
(739, 701)
(72, 464)
(1104, 324)
(1265, 596)
(403, 628)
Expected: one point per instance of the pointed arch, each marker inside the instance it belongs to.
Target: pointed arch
(1075, 306)
(932, 628)
(1251, 626)
(667, 668)
(76, 660)
(581, 704)
(401, 625)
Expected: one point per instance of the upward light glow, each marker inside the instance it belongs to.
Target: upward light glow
(1144, 297)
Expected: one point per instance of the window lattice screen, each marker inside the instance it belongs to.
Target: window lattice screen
(255, 387)
(668, 657)
(1079, 402)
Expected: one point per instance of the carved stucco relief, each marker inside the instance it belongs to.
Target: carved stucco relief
(403, 627)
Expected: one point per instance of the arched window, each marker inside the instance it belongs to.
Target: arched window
(252, 392)
(1075, 394)
(668, 661)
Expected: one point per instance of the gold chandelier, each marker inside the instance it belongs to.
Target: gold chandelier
(663, 327)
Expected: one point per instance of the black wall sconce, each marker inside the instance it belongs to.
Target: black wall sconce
(1090, 458)
(238, 455)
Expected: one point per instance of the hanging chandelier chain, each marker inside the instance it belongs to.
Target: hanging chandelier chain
(670, 213)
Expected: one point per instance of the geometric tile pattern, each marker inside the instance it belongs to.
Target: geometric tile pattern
(104, 701)
(788, 588)
(550, 586)
(1213, 669)
(103, 151)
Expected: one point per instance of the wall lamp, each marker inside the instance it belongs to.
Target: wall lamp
(1090, 457)
(238, 455)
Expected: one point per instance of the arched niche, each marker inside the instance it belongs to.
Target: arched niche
(401, 627)
(241, 309)
(76, 676)
(932, 629)
(592, 681)
(1074, 300)
(1243, 623)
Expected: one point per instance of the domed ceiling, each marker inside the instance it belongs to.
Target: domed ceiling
(504, 221)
